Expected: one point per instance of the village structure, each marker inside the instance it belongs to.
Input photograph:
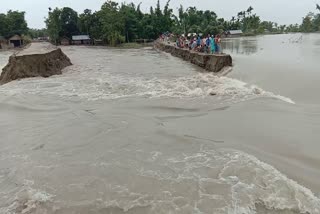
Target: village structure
(16, 41)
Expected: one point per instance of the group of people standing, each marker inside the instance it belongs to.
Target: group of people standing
(210, 44)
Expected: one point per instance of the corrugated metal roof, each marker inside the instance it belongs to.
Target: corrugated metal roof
(80, 37)
(235, 32)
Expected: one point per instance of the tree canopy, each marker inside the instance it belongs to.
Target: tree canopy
(116, 23)
(311, 22)
(13, 23)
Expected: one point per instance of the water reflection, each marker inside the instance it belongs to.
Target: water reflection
(246, 46)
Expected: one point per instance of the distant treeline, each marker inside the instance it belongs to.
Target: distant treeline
(117, 23)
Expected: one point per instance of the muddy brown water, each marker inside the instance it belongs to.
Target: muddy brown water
(137, 131)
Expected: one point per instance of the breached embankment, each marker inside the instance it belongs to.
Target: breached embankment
(38, 60)
(210, 62)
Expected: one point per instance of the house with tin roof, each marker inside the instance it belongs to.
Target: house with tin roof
(234, 33)
(81, 40)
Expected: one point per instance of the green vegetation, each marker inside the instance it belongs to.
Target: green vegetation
(114, 23)
(118, 23)
(13, 23)
(124, 23)
(311, 23)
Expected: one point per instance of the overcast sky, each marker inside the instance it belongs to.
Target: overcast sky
(281, 11)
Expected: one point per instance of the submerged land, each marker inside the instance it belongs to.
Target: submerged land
(93, 129)
(146, 136)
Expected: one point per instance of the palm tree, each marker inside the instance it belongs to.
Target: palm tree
(249, 10)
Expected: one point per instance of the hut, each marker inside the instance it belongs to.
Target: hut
(98, 42)
(234, 33)
(3, 42)
(65, 41)
(81, 40)
(16, 41)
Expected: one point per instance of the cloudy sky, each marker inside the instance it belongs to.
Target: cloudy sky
(281, 11)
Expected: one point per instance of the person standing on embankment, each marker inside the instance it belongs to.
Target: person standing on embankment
(213, 45)
(218, 43)
(208, 44)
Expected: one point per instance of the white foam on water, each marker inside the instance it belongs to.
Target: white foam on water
(206, 181)
(96, 77)
(26, 200)
(113, 86)
(234, 182)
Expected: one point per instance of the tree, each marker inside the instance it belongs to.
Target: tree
(62, 23)
(69, 22)
(85, 21)
(130, 19)
(35, 33)
(16, 22)
(4, 30)
(115, 23)
(249, 10)
(248, 22)
(307, 24)
(112, 24)
(54, 25)
(13, 23)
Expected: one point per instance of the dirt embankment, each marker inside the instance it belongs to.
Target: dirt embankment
(210, 62)
(42, 60)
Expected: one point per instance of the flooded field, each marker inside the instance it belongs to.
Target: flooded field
(138, 131)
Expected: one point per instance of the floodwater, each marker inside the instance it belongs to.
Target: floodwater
(138, 131)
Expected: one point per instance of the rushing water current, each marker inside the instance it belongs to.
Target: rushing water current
(139, 131)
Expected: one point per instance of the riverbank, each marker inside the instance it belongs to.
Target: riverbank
(39, 59)
(210, 62)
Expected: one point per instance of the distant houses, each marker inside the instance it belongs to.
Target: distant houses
(81, 40)
(76, 40)
(65, 41)
(98, 42)
(234, 33)
(42, 39)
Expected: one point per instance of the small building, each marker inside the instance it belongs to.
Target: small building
(98, 42)
(81, 40)
(43, 39)
(3, 42)
(234, 33)
(16, 41)
(266, 31)
(65, 41)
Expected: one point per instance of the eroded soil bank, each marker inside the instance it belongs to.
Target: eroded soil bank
(40, 59)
